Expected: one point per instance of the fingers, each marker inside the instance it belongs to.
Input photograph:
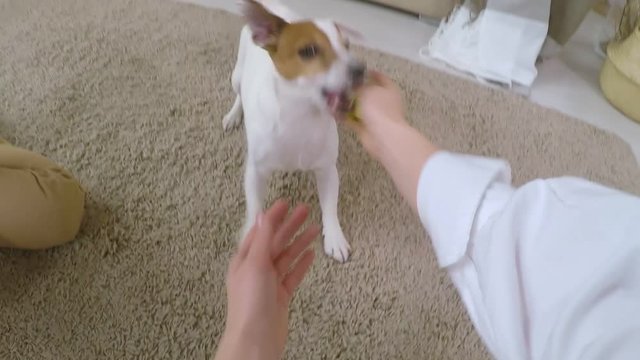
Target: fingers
(277, 213)
(272, 232)
(289, 228)
(302, 242)
(297, 274)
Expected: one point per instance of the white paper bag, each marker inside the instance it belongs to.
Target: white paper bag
(499, 44)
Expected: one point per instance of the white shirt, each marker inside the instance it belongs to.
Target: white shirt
(549, 270)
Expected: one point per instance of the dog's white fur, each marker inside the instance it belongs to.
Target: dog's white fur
(289, 127)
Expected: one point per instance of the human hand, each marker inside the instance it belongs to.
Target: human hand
(261, 281)
(381, 126)
(379, 106)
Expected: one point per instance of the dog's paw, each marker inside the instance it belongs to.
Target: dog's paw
(231, 120)
(336, 246)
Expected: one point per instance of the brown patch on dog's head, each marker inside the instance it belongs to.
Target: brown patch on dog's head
(312, 55)
(302, 50)
(297, 49)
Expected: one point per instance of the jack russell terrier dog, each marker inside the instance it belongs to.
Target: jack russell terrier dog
(293, 79)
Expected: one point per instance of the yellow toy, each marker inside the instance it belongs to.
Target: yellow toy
(352, 114)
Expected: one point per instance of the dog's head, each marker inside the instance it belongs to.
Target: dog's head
(312, 56)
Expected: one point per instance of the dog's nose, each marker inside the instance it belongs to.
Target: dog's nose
(356, 71)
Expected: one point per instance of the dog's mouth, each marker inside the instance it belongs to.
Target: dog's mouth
(338, 102)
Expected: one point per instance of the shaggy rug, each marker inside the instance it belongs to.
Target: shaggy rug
(129, 96)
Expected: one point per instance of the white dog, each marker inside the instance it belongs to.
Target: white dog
(292, 78)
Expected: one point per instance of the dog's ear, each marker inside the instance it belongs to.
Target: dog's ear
(349, 32)
(265, 26)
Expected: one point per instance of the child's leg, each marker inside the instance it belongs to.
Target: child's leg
(41, 204)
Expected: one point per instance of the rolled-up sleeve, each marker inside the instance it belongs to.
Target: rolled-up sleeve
(548, 270)
(451, 199)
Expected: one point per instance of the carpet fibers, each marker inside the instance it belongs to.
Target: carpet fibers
(129, 96)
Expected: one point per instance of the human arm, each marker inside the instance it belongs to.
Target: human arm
(403, 153)
(262, 278)
(547, 270)
(386, 135)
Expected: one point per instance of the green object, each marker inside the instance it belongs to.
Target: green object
(352, 115)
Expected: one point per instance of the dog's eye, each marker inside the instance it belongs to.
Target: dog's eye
(347, 44)
(308, 52)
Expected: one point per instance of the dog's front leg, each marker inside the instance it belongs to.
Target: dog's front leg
(255, 188)
(335, 244)
(234, 116)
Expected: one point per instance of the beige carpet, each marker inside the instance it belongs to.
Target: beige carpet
(129, 95)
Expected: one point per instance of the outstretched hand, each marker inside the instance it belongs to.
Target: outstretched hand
(262, 278)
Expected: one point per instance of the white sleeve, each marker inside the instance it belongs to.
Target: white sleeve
(550, 270)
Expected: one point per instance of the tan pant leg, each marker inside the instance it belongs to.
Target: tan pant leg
(41, 204)
(566, 16)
